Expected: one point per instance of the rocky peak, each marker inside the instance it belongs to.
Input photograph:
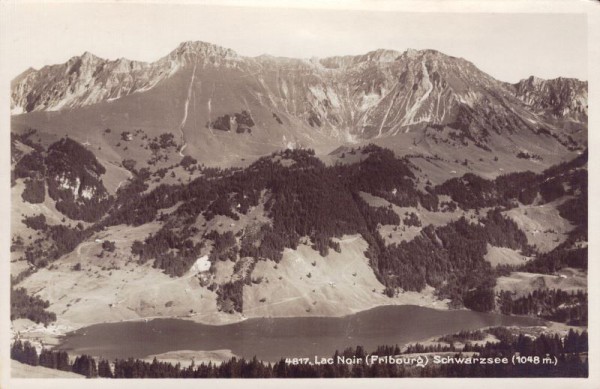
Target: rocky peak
(83, 66)
(23, 76)
(410, 53)
(382, 55)
(561, 97)
(86, 59)
(379, 56)
(191, 51)
(533, 80)
(89, 57)
(432, 57)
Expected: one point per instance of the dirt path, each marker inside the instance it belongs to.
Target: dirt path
(129, 174)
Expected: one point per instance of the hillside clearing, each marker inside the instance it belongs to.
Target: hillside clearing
(187, 357)
(21, 370)
(504, 256)
(523, 283)
(542, 224)
(307, 284)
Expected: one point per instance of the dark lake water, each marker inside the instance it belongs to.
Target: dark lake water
(272, 338)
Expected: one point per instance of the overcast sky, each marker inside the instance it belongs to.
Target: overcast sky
(507, 46)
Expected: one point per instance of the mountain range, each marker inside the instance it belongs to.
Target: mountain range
(199, 92)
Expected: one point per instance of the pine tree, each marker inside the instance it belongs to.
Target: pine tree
(104, 369)
(30, 354)
(85, 365)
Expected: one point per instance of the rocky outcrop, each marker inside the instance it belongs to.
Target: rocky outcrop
(560, 97)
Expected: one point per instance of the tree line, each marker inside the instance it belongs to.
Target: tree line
(551, 304)
(571, 353)
(24, 306)
(472, 191)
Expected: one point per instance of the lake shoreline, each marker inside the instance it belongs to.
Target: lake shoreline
(272, 338)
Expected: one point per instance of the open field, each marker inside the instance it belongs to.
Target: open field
(21, 370)
(306, 284)
(186, 357)
(115, 287)
(405, 233)
(542, 224)
(523, 283)
(504, 256)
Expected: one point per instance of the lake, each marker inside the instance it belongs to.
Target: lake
(272, 338)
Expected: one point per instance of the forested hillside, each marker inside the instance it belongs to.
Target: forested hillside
(71, 173)
(305, 200)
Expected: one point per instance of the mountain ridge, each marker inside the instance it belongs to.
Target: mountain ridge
(198, 91)
(205, 49)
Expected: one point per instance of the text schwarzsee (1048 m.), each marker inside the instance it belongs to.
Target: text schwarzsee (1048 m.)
(424, 360)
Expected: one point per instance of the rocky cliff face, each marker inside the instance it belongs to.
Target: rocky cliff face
(561, 97)
(83, 81)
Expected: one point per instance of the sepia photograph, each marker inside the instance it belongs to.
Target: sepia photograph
(324, 190)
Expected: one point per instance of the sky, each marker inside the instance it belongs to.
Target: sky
(509, 47)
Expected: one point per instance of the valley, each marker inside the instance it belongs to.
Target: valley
(217, 191)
